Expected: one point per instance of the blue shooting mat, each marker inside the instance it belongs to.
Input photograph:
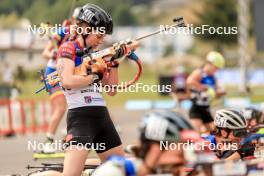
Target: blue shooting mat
(138, 105)
(148, 104)
(164, 104)
(186, 104)
(237, 102)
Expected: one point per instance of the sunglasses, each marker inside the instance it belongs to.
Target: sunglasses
(240, 132)
(236, 133)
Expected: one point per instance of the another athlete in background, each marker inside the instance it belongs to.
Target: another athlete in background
(159, 130)
(179, 87)
(58, 101)
(230, 130)
(253, 116)
(203, 86)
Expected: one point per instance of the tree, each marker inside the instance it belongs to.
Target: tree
(10, 6)
(145, 2)
(123, 16)
(219, 13)
(55, 11)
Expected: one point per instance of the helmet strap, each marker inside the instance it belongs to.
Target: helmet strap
(84, 35)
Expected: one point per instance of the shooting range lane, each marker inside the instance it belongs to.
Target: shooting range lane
(16, 157)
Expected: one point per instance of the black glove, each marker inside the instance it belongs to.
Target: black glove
(125, 48)
(120, 52)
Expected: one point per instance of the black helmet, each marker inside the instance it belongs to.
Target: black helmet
(163, 125)
(96, 17)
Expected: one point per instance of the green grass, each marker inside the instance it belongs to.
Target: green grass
(256, 95)
(28, 89)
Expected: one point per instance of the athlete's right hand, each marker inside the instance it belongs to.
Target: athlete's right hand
(98, 67)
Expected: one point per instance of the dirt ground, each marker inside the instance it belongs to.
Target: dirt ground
(15, 156)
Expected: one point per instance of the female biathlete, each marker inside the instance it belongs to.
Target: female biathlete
(58, 101)
(203, 87)
(88, 121)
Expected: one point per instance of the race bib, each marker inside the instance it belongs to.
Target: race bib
(220, 122)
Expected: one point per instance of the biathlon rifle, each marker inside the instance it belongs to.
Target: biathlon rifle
(108, 54)
(56, 166)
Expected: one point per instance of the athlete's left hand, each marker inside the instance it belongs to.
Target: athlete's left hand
(124, 48)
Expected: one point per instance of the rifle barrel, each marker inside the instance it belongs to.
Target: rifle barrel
(156, 32)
